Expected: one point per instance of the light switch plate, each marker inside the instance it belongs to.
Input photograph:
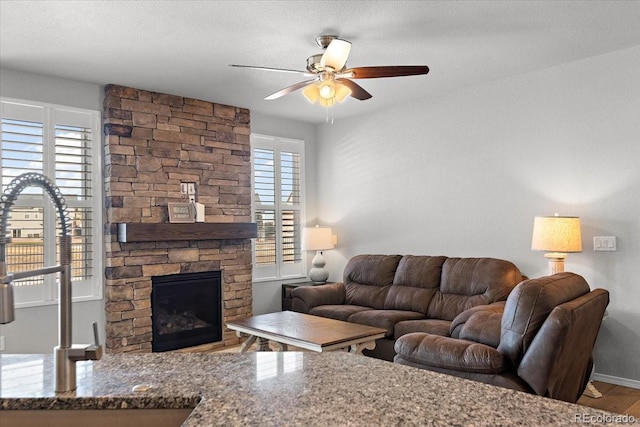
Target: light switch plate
(604, 243)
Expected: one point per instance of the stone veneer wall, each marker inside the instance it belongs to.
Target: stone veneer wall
(153, 142)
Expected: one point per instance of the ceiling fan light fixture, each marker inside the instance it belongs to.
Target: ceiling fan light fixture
(312, 93)
(336, 54)
(330, 102)
(342, 92)
(327, 89)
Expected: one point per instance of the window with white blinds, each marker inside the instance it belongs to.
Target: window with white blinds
(278, 200)
(63, 144)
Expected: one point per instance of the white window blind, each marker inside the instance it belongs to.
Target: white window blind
(278, 200)
(64, 145)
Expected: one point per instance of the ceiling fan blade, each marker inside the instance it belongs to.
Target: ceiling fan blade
(336, 54)
(289, 89)
(385, 71)
(356, 90)
(278, 70)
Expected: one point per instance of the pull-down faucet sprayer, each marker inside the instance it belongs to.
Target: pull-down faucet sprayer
(65, 354)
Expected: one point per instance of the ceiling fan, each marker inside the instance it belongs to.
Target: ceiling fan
(331, 78)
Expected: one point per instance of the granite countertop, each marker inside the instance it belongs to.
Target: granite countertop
(278, 389)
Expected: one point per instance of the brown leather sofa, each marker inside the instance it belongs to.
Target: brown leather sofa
(542, 343)
(405, 294)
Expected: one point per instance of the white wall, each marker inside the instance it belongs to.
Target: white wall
(35, 329)
(36, 87)
(267, 295)
(465, 174)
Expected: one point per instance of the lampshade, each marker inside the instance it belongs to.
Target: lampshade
(342, 92)
(317, 238)
(557, 234)
(326, 102)
(311, 92)
(336, 54)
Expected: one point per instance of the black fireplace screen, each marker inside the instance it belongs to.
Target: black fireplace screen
(186, 310)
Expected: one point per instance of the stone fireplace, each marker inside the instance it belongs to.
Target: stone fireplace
(153, 142)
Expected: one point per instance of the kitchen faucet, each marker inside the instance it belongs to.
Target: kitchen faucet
(65, 354)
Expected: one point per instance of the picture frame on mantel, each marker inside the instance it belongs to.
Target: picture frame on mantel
(181, 212)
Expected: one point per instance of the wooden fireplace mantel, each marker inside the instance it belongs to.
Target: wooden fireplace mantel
(152, 232)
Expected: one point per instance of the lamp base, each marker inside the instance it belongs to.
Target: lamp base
(556, 262)
(318, 274)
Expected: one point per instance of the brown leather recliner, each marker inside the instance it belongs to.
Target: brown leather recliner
(542, 343)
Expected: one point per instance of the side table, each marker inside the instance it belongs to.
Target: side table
(288, 287)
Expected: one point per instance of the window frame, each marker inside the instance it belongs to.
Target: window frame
(90, 288)
(280, 270)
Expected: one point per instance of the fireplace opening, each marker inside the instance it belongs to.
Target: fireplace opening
(186, 310)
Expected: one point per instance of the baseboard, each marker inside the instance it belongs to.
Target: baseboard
(625, 382)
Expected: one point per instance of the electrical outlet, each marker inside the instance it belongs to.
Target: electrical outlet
(1, 343)
(184, 188)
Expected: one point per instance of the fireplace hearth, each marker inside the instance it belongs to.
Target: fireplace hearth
(186, 310)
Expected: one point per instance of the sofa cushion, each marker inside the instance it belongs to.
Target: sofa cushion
(430, 326)
(528, 307)
(415, 282)
(367, 279)
(449, 353)
(386, 319)
(338, 312)
(468, 282)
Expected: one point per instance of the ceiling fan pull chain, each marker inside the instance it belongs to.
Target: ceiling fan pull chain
(327, 110)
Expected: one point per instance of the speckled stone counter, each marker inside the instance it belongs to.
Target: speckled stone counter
(279, 389)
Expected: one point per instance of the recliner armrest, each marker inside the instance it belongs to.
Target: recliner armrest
(482, 327)
(304, 298)
(449, 353)
(496, 308)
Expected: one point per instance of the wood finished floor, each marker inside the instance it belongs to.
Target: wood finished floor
(615, 398)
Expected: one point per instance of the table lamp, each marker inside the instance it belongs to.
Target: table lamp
(317, 239)
(558, 235)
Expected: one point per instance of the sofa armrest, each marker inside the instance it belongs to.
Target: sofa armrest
(304, 298)
(449, 353)
(461, 319)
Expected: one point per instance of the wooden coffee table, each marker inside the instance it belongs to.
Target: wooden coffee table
(305, 331)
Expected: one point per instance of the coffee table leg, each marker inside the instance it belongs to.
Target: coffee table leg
(263, 344)
(357, 348)
(248, 343)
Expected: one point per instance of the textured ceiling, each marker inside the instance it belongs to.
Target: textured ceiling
(184, 47)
